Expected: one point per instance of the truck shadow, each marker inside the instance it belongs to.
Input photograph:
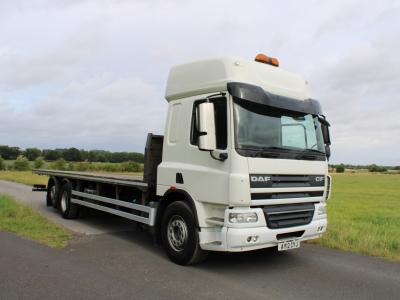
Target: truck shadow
(134, 236)
(269, 258)
(257, 259)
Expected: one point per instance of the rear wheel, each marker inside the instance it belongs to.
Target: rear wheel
(180, 235)
(52, 194)
(68, 209)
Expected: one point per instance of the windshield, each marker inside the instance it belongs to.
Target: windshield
(260, 127)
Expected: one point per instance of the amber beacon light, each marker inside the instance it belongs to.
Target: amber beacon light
(267, 60)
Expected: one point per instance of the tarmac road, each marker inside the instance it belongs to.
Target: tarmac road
(116, 260)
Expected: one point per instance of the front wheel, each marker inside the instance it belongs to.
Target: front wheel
(180, 236)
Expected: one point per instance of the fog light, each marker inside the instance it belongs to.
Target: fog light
(243, 217)
(322, 210)
(252, 238)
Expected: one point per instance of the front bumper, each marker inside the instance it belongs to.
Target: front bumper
(239, 239)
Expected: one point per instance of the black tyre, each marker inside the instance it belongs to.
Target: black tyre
(68, 209)
(180, 236)
(52, 193)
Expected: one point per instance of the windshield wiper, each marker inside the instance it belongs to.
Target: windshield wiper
(315, 151)
(264, 151)
(275, 148)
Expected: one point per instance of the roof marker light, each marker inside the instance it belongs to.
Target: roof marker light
(267, 60)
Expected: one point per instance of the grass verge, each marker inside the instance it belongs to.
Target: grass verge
(25, 177)
(364, 215)
(24, 221)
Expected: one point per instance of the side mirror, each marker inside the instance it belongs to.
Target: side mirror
(327, 151)
(325, 134)
(325, 130)
(207, 138)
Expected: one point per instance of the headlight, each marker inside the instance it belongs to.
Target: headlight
(321, 210)
(243, 217)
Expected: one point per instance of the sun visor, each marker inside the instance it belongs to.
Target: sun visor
(256, 94)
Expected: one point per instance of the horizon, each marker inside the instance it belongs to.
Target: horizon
(330, 163)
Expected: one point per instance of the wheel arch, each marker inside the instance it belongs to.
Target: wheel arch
(169, 197)
(66, 181)
(53, 180)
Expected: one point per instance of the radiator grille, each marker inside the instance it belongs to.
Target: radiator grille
(283, 216)
(263, 196)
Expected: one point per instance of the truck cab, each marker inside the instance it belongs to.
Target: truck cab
(246, 150)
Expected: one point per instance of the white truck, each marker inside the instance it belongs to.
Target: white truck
(242, 164)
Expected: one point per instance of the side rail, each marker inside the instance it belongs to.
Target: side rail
(144, 214)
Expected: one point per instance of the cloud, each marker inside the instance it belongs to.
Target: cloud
(103, 112)
(92, 74)
(360, 90)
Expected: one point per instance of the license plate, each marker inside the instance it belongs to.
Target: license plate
(287, 245)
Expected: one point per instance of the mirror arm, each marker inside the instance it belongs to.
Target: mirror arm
(323, 120)
(222, 156)
(220, 94)
(327, 151)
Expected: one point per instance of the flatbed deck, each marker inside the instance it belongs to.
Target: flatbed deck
(117, 179)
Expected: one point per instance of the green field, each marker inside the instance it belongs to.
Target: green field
(364, 215)
(24, 221)
(25, 177)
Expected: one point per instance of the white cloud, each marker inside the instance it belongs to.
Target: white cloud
(92, 73)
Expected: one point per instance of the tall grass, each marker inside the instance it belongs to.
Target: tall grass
(24, 221)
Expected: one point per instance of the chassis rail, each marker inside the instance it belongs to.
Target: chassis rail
(137, 212)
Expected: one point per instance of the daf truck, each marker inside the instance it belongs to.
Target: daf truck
(242, 164)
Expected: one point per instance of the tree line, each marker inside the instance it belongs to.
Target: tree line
(70, 155)
(340, 168)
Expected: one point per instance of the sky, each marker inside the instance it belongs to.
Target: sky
(92, 74)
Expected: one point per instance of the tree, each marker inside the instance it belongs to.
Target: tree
(21, 163)
(59, 164)
(72, 154)
(2, 165)
(9, 152)
(51, 154)
(375, 168)
(39, 162)
(32, 153)
(340, 168)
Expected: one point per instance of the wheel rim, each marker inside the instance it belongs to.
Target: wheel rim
(53, 194)
(177, 233)
(64, 202)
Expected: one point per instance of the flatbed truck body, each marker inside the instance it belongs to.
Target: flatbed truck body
(242, 164)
